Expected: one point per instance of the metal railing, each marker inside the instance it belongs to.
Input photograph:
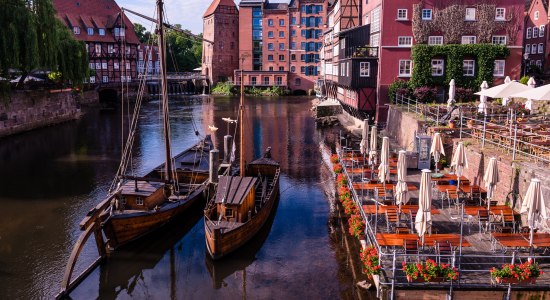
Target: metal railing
(474, 268)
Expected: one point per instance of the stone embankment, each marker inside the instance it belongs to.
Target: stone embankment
(27, 110)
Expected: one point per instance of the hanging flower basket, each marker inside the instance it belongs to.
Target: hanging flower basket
(420, 279)
(429, 271)
(525, 273)
(334, 158)
(510, 280)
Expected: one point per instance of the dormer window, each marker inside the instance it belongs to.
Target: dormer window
(119, 31)
(76, 30)
(90, 31)
(101, 31)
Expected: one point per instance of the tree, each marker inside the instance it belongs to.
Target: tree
(184, 51)
(144, 36)
(32, 37)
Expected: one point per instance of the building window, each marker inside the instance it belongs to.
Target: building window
(101, 31)
(139, 201)
(426, 14)
(92, 65)
(293, 45)
(468, 68)
(405, 68)
(282, 22)
(404, 41)
(435, 40)
(269, 22)
(297, 81)
(128, 66)
(92, 79)
(98, 66)
(500, 14)
(534, 49)
(110, 48)
(364, 69)
(76, 30)
(535, 32)
(270, 34)
(401, 14)
(281, 34)
(293, 57)
(302, 70)
(468, 39)
(97, 49)
(281, 58)
(470, 14)
(278, 80)
(293, 21)
(281, 46)
(228, 212)
(104, 66)
(271, 68)
(119, 31)
(270, 57)
(527, 48)
(270, 46)
(537, 15)
(541, 30)
(253, 80)
(266, 80)
(538, 64)
(541, 48)
(528, 34)
(437, 67)
(499, 68)
(116, 65)
(105, 79)
(293, 69)
(499, 39)
(293, 33)
(90, 31)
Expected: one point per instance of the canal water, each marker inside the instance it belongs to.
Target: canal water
(50, 178)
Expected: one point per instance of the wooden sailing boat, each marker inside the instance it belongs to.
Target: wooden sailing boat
(137, 206)
(242, 204)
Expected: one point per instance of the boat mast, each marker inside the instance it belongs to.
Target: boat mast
(241, 113)
(164, 90)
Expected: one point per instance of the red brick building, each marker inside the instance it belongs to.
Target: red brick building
(392, 30)
(109, 35)
(220, 26)
(535, 37)
(280, 43)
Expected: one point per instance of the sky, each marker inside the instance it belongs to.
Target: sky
(188, 13)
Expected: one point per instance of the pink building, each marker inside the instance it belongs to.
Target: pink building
(397, 25)
(535, 50)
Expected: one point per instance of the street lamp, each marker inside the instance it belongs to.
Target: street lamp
(526, 58)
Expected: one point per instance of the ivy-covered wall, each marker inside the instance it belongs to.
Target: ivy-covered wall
(453, 56)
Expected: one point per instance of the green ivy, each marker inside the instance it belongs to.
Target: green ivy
(453, 55)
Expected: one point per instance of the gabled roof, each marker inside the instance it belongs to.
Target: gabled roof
(214, 5)
(104, 14)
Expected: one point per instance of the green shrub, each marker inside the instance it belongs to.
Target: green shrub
(524, 80)
(399, 87)
(224, 88)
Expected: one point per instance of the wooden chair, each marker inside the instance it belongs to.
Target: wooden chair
(402, 230)
(508, 219)
(412, 217)
(443, 248)
(392, 218)
(453, 196)
(411, 248)
(483, 218)
(475, 194)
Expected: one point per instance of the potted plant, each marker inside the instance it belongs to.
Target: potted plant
(527, 272)
(371, 262)
(341, 180)
(334, 158)
(429, 271)
(337, 168)
(350, 207)
(356, 225)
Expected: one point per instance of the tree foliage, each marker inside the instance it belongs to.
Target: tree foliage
(32, 37)
(184, 52)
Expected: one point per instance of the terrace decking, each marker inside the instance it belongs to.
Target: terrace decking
(482, 246)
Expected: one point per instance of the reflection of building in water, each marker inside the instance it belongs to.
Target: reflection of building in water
(285, 126)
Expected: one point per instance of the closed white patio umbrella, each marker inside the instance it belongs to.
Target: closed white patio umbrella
(373, 154)
(534, 206)
(401, 189)
(532, 84)
(384, 167)
(482, 108)
(452, 91)
(423, 220)
(459, 162)
(364, 145)
(491, 179)
(437, 149)
(506, 99)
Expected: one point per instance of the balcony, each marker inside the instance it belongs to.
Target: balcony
(361, 52)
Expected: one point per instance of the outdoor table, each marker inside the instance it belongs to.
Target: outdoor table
(371, 209)
(495, 210)
(372, 186)
(467, 188)
(448, 177)
(540, 240)
(358, 170)
(395, 239)
(509, 240)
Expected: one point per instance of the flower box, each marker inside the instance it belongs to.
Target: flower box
(421, 279)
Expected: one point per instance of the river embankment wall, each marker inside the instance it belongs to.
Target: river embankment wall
(22, 111)
(514, 174)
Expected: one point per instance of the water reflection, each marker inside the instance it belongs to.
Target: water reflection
(67, 169)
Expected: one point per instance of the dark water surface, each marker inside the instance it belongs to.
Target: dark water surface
(50, 178)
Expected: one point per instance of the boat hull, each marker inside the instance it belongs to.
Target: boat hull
(122, 228)
(219, 243)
